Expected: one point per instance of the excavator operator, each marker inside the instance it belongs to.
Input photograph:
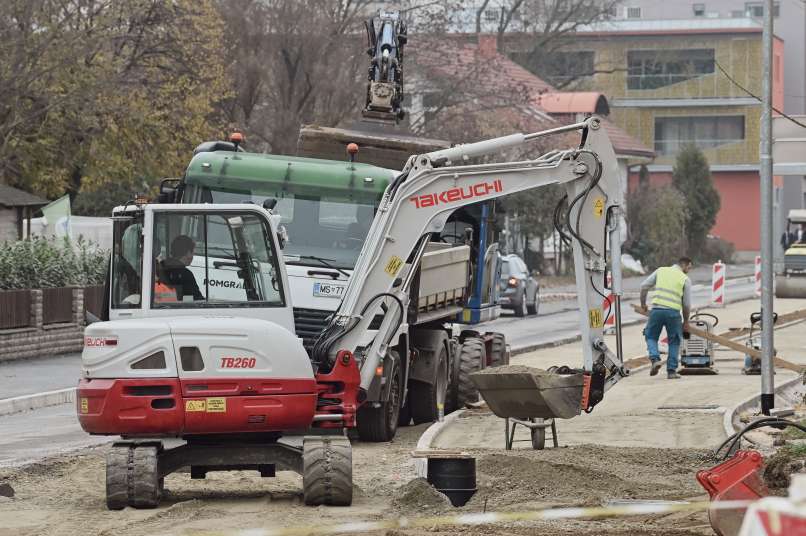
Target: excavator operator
(174, 281)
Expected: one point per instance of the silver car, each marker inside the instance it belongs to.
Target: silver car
(519, 290)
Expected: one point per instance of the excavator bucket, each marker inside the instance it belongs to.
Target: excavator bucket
(524, 395)
(737, 479)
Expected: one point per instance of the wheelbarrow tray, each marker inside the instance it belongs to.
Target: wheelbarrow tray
(522, 395)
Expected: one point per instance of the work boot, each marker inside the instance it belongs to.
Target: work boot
(655, 368)
(672, 375)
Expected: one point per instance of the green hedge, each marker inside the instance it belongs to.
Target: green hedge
(51, 262)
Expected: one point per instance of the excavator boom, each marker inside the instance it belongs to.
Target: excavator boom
(420, 200)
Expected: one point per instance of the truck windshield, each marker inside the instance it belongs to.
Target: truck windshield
(328, 228)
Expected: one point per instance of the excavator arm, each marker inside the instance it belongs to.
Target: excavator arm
(431, 187)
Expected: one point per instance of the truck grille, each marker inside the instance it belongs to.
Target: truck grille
(309, 323)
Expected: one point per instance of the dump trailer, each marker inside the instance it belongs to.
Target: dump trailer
(791, 282)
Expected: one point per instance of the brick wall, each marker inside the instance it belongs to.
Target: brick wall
(39, 339)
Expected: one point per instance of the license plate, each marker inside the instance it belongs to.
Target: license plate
(328, 290)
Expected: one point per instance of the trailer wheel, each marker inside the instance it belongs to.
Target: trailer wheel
(117, 476)
(145, 484)
(327, 471)
(426, 398)
(378, 424)
(498, 350)
(471, 358)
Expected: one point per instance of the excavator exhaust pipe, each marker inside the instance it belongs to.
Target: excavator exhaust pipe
(790, 286)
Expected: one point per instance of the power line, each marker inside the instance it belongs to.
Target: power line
(750, 93)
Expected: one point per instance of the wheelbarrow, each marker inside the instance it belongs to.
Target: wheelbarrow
(532, 400)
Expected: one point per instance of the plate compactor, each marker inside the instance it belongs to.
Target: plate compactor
(752, 367)
(697, 353)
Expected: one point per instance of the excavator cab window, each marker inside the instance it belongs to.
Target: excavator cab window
(214, 260)
(127, 262)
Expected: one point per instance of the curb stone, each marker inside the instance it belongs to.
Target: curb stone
(17, 404)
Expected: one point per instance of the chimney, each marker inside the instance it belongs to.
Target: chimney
(488, 45)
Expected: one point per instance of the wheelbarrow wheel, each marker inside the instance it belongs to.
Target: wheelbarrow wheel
(538, 436)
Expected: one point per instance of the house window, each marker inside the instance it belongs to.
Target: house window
(652, 69)
(491, 15)
(699, 10)
(563, 67)
(633, 12)
(756, 9)
(706, 132)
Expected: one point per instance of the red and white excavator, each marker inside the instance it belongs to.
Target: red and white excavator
(209, 374)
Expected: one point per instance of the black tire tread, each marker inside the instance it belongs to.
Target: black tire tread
(498, 350)
(327, 476)
(471, 357)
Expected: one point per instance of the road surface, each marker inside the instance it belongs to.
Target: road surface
(561, 324)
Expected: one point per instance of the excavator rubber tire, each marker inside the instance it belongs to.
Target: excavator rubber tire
(472, 357)
(790, 287)
(145, 485)
(327, 471)
(117, 476)
(379, 424)
(498, 350)
(425, 398)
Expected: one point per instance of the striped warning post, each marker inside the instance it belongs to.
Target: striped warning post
(718, 285)
(758, 275)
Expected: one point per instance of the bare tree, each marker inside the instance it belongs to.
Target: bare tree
(293, 62)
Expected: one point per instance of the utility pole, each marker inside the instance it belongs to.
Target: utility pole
(767, 247)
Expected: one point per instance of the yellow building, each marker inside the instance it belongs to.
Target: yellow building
(674, 82)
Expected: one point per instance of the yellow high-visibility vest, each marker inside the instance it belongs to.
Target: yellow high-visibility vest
(669, 284)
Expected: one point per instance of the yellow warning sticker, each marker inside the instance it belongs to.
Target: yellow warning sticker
(598, 207)
(195, 405)
(85, 405)
(216, 405)
(393, 266)
(595, 318)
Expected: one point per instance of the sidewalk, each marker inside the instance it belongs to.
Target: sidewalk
(29, 376)
(646, 411)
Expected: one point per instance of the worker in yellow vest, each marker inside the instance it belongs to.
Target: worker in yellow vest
(672, 296)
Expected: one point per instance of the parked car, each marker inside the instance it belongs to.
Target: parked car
(520, 291)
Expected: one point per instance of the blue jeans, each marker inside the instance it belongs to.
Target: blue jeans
(670, 319)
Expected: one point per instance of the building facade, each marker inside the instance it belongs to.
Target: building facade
(689, 81)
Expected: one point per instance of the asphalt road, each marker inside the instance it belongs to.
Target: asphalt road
(559, 321)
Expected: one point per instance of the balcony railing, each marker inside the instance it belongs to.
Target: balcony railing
(674, 146)
(655, 81)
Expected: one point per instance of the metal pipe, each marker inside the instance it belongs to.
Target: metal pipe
(558, 130)
(767, 247)
(615, 270)
(328, 417)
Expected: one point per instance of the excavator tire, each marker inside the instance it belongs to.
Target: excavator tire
(117, 476)
(426, 398)
(498, 350)
(145, 484)
(472, 356)
(378, 424)
(327, 471)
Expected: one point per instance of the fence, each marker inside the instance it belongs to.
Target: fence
(45, 322)
(15, 309)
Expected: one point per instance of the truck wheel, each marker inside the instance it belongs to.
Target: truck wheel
(146, 488)
(498, 350)
(471, 357)
(117, 476)
(380, 424)
(425, 398)
(327, 471)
